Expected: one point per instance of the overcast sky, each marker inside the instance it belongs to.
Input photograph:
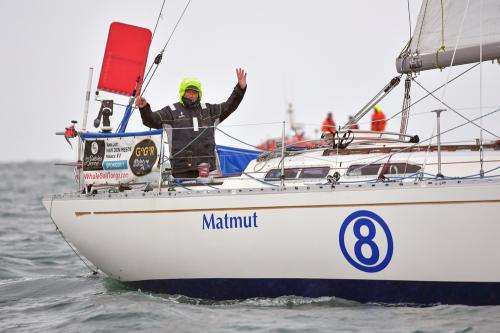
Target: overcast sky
(322, 56)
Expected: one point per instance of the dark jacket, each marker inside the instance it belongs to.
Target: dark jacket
(188, 147)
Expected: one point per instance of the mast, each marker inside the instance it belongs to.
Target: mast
(295, 128)
(79, 163)
(290, 117)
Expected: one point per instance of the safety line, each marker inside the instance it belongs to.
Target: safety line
(94, 272)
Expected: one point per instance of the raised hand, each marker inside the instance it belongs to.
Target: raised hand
(242, 77)
(140, 102)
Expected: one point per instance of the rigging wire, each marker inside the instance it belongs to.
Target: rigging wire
(452, 109)
(406, 105)
(481, 151)
(159, 57)
(436, 89)
(324, 159)
(232, 137)
(158, 19)
(443, 48)
(431, 137)
(409, 16)
(154, 31)
(176, 24)
(130, 108)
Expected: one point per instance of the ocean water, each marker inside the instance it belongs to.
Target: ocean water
(44, 287)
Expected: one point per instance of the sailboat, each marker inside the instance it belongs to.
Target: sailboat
(370, 216)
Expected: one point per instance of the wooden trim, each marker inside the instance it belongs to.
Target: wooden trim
(165, 211)
(82, 213)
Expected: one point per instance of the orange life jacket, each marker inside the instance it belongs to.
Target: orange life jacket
(378, 121)
(328, 125)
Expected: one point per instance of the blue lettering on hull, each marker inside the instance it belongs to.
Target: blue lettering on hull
(213, 222)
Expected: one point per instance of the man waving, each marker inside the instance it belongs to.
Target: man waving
(192, 122)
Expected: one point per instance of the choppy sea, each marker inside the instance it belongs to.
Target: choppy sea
(44, 287)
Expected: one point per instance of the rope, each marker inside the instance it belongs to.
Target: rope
(442, 48)
(94, 272)
(442, 24)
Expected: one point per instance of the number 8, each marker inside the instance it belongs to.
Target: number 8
(365, 240)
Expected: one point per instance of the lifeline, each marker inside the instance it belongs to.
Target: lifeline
(229, 222)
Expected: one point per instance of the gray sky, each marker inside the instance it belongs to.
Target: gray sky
(323, 56)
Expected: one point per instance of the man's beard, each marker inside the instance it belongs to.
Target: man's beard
(189, 103)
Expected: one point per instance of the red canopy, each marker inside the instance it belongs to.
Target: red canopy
(124, 59)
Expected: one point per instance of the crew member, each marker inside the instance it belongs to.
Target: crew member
(328, 124)
(378, 119)
(192, 123)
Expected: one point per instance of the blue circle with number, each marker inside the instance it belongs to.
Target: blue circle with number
(370, 222)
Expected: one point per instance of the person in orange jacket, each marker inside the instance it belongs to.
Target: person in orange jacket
(378, 119)
(328, 124)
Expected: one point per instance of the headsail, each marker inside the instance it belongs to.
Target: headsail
(441, 26)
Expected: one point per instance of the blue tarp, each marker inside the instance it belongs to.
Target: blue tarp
(232, 160)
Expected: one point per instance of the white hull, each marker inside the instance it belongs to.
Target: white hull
(441, 231)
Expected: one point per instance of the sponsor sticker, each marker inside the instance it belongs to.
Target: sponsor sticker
(120, 159)
(115, 165)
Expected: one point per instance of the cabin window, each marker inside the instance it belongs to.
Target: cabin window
(298, 173)
(363, 170)
(275, 174)
(402, 168)
(319, 172)
(388, 169)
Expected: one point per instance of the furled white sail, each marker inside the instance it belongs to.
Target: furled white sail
(443, 25)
